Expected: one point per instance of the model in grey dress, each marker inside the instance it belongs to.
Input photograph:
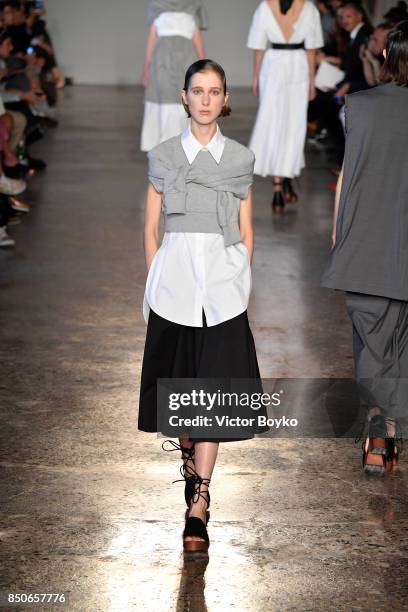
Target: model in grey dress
(370, 258)
(174, 43)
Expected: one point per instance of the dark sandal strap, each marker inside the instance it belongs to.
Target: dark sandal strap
(205, 495)
(195, 528)
(186, 454)
(377, 427)
(189, 489)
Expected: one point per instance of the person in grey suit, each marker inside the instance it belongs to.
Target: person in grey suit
(369, 259)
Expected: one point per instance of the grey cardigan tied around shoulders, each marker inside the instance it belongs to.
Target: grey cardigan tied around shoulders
(231, 184)
(192, 7)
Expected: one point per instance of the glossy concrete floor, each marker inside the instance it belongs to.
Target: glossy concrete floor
(87, 503)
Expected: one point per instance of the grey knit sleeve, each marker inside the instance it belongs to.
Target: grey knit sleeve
(157, 168)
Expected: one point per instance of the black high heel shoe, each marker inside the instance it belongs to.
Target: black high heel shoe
(374, 446)
(278, 201)
(380, 449)
(196, 527)
(289, 194)
(186, 471)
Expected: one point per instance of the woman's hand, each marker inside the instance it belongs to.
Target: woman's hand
(312, 92)
(255, 87)
(145, 77)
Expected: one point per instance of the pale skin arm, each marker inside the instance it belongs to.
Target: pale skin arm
(332, 59)
(311, 60)
(152, 224)
(198, 44)
(245, 224)
(336, 206)
(258, 57)
(151, 41)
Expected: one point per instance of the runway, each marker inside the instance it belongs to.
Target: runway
(88, 508)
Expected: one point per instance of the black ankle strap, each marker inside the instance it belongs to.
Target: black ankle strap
(189, 452)
(186, 454)
(377, 426)
(205, 495)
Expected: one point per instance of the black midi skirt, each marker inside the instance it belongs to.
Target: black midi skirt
(226, 350)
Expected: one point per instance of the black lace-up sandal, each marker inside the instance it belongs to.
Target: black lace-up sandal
(374, 445)
(289, 194)
(278, 201)
(187, 472)
(196, 527)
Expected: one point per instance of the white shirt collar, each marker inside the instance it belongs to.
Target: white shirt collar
(356, 30)
(192, 147)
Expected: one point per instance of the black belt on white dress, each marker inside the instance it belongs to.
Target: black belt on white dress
(288, 46)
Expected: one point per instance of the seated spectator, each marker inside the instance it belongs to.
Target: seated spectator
(40, 71)
(8, 144)
(327, 105)
(353, 19)
(29, 78)
(41, 39)
(19, 100)
(372, 54)
(15, 22)
(8, 186)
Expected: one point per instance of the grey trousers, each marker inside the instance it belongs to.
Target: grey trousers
(380, 346)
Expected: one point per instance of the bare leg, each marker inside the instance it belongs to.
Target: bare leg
(187, 443)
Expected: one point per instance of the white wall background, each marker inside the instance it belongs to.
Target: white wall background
(103, 41)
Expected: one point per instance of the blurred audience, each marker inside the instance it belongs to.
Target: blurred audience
(29, 80)
(397, 13)
(357, 51)
(372, 54)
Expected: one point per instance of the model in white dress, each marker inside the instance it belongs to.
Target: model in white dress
(279, 133)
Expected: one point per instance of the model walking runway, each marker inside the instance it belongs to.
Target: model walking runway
(87, 502)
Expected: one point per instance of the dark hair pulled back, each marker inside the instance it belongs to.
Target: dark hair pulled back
(206, 65)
